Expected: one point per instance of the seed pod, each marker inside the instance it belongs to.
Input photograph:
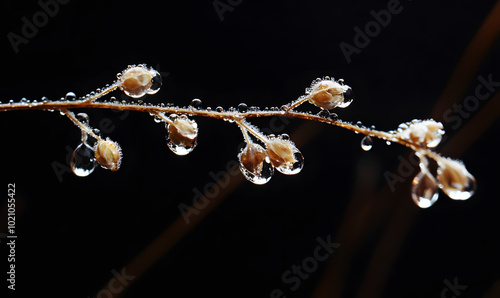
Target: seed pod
(284, 156)
(108, 154)
(428, 133)
(255, 164)
(455, 180)
(328, 94)
(182, 135)
(136, 81)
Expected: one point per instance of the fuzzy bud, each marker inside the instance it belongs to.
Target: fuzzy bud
(281, 152)
(328, 94)
(136, 81)
(455, 180)
(182, 135)
(428, 133)
(108, 154)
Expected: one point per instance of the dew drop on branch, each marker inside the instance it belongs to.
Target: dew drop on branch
(366, 143)
(70, 96)
(83, 160)
(424, 190)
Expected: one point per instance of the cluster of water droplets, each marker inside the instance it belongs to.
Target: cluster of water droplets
(452, 178)
(83, 161)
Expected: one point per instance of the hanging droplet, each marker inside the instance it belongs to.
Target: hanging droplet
(242, 107)
(196, 103)
(292, 168)
(388, 143)
(255, 164)
(366, 143)
(455, 180)
(83, 117)
(424, 190)
(83, 160)
(156, 82)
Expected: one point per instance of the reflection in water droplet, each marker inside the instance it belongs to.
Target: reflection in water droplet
(83, 160)
(255, 164)
(242, 107)
(156, 82)
(196, 103)
(70, 96)
(292, 168)
(424, 190)
(366, 143)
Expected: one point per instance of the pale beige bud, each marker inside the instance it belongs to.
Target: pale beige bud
(328, 94)
(182, 135)
(108, 154)
(455, 180)
(136, 81)
(281, 152)
(428, 133)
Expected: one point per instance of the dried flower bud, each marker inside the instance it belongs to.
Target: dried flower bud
(108, 154)
(428, 133)
(182, 135)
(136, 81)
(455, 180)
(329, 94)
(255, 164)
(285, 156)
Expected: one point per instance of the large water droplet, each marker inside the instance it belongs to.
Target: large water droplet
(255, 164)
(366, 143)
(70, 96)
(196, 103)
(156, 82)
(292, 168)
(83, 160)
(242, 107)
(424, 190)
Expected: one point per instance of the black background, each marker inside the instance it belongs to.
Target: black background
(73, 232)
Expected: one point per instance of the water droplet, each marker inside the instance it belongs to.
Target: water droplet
(157, 119)
(83, 160)
(285, 136)
(324, 113)
(424, 190)
(348, 95)
(292, 168)
(83, 117)
(242, 108)
(156, 82)
(255, 164)
(196, 103)
(388, 143)
(366, 143)
(219, 109)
